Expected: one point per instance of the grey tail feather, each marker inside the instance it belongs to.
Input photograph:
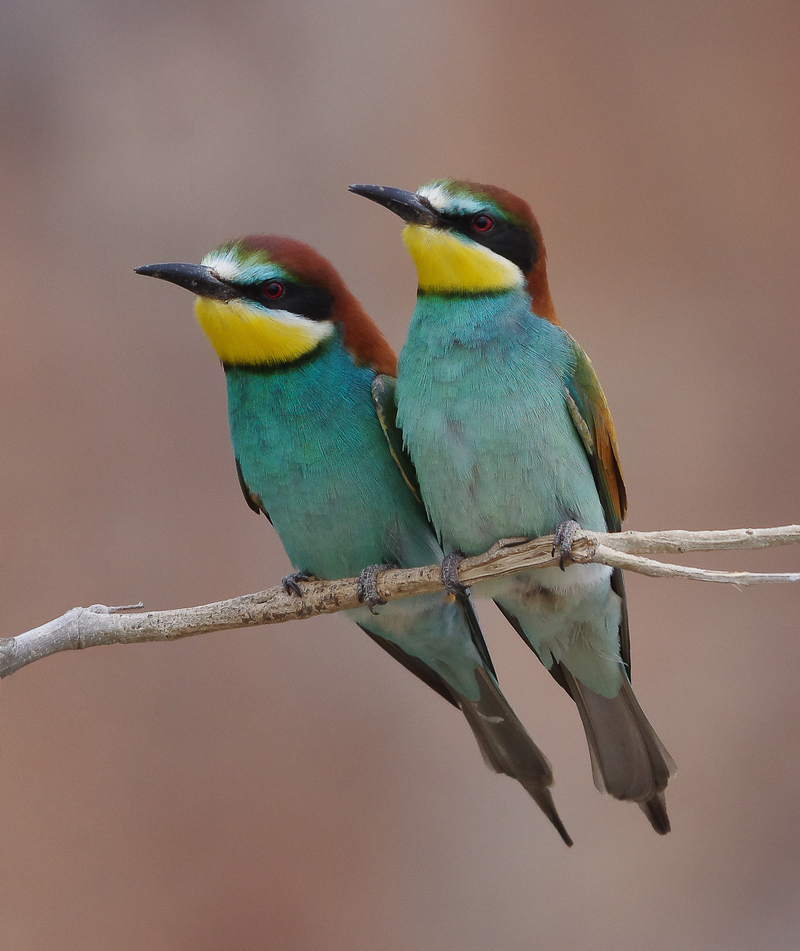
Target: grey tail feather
(507, 748)
(656, 811)
(628, 760)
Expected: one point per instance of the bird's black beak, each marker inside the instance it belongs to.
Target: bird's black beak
(196, 278)
(408, 205)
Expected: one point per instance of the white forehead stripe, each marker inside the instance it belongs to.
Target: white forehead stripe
(230, 265)
(224, 265)
(445, 201)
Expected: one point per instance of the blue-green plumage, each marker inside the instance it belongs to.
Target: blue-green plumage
(312, 427)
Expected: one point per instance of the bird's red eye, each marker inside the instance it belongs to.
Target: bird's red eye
(273, 290)
(482, 223)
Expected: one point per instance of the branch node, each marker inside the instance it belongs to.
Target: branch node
(584, 547)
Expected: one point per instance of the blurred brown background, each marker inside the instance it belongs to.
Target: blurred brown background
(292, 788)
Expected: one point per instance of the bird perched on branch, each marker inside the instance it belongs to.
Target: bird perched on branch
(510, 434)
(310, 405)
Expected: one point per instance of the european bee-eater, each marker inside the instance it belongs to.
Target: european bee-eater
(310, 384)
(510, 434)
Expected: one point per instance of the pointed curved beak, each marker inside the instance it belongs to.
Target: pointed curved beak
(408, 205)
(196, 278)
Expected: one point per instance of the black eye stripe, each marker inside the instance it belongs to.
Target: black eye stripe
(512, 242)
(314, 303)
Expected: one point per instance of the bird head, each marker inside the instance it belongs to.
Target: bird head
(468, 239)
(268, 301)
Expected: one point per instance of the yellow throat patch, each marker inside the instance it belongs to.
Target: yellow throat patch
(447, 263)
(245, 335)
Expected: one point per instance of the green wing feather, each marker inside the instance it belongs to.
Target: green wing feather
(592, 418)
(383, 387)
(253, 500)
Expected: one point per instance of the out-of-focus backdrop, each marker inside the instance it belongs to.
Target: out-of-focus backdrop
(292, 787)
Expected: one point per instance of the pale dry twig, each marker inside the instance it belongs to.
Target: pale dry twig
(100, 625)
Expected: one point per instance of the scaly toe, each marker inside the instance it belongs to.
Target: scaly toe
(449, 574)
(562, 542)
(290, 585)
(367, 589)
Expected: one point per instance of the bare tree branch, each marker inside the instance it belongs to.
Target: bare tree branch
(100, 625)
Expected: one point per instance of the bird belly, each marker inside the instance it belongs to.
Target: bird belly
(574, 622)
(495, 461)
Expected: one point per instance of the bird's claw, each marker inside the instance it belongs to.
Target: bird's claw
(562, 542)
(367, 588)
(449, 573)
(290, 585)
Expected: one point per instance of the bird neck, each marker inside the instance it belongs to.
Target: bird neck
(472, 326)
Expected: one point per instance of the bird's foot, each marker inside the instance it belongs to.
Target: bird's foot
(449, 573)
(562, 542)
(290, 585)
(367, 589)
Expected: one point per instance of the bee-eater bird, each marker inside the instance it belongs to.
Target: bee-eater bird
(310, 382)
(510, 434)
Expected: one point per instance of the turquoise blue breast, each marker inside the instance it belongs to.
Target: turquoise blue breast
(310, 446)
(481, 403)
